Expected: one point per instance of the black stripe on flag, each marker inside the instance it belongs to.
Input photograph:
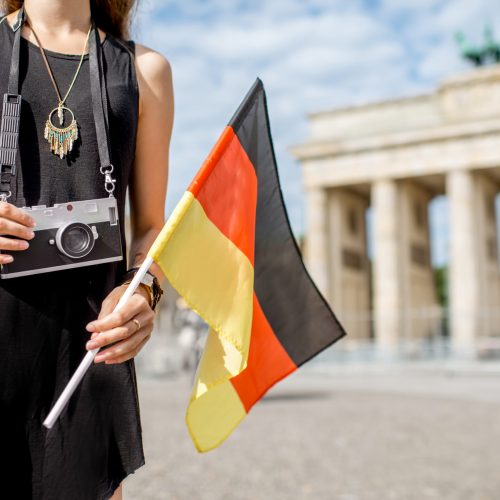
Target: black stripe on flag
(297, 312)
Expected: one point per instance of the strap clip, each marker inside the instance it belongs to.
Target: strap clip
(109, 182)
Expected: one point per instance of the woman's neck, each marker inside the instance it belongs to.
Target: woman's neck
(61, 25)
(58, 17)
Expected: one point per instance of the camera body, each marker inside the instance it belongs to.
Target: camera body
(69, 235)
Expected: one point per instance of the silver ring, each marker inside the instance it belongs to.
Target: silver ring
(136, 321)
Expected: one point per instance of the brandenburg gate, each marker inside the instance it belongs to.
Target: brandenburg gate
(394, 157)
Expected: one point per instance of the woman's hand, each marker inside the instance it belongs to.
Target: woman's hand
(130, 327)
(14, 222)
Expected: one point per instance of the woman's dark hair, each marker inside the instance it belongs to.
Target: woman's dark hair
(112, 16)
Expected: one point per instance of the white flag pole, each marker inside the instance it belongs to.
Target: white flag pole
(89, 357)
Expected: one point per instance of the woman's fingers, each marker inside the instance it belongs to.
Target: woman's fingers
(6, 259)
(14, 222)
(145, 320)
(120, 358)
(9, 211)
(11, 228)
(13, 244)
(125, 347)
(134, 306)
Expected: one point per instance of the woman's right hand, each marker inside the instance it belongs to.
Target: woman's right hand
(14, 222)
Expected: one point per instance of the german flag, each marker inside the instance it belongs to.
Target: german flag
(229, 251)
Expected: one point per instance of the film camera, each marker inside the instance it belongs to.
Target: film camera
(68, 235)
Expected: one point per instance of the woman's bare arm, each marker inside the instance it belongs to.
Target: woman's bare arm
(149, 179)
(148, 187)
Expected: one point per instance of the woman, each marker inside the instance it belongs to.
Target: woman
(49, 320)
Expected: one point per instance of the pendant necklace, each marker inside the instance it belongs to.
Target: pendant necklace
(61, 138)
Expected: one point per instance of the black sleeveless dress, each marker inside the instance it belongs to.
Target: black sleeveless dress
(97, 441)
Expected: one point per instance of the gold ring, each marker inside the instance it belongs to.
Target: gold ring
(136, 321)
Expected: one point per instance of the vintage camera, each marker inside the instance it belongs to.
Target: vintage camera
(68, 235)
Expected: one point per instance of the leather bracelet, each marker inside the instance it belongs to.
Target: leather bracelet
(152, 284)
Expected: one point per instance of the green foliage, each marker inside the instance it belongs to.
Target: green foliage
(441, 280)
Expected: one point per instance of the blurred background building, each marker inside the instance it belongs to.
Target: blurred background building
(392, 192)
(392, 187)
(392, 158)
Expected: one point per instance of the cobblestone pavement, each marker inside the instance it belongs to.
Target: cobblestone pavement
(341, 436)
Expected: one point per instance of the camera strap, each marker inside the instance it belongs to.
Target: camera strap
(100, 108)
(11, 116)
(11, 112)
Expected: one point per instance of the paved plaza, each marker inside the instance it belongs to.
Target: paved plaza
(404, 433)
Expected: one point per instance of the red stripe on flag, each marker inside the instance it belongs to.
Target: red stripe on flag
(268, 362)
(226, 187)
(213, 158)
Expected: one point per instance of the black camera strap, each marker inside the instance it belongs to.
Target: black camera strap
(11, 112)
(100, 108)
(11, 116)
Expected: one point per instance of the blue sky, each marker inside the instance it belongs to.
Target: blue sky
(312, 55)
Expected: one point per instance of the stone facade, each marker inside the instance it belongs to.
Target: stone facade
(395, 157)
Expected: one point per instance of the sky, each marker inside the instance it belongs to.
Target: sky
(311, 55)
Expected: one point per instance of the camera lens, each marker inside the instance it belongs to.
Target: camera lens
(75, 240)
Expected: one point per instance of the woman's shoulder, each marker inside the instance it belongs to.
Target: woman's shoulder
(151, 63)
(154, 75)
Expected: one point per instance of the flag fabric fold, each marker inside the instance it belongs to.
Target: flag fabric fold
(229, 251)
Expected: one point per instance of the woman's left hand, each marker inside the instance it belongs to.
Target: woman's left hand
(128, 329)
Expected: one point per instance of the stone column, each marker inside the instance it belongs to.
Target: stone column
(421, 311)
(464, 276)
(349, 272)
(489, 273)
(386, 265)
(316, 252)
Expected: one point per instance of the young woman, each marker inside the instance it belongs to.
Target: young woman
(49, 320)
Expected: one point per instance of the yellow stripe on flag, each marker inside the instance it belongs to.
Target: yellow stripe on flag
(216, 279)
(214, 414)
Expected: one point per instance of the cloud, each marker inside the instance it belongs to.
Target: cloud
(311, 55)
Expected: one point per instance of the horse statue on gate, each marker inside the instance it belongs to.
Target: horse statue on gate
(488, 53)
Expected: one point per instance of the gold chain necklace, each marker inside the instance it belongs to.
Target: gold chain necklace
(61, 139)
